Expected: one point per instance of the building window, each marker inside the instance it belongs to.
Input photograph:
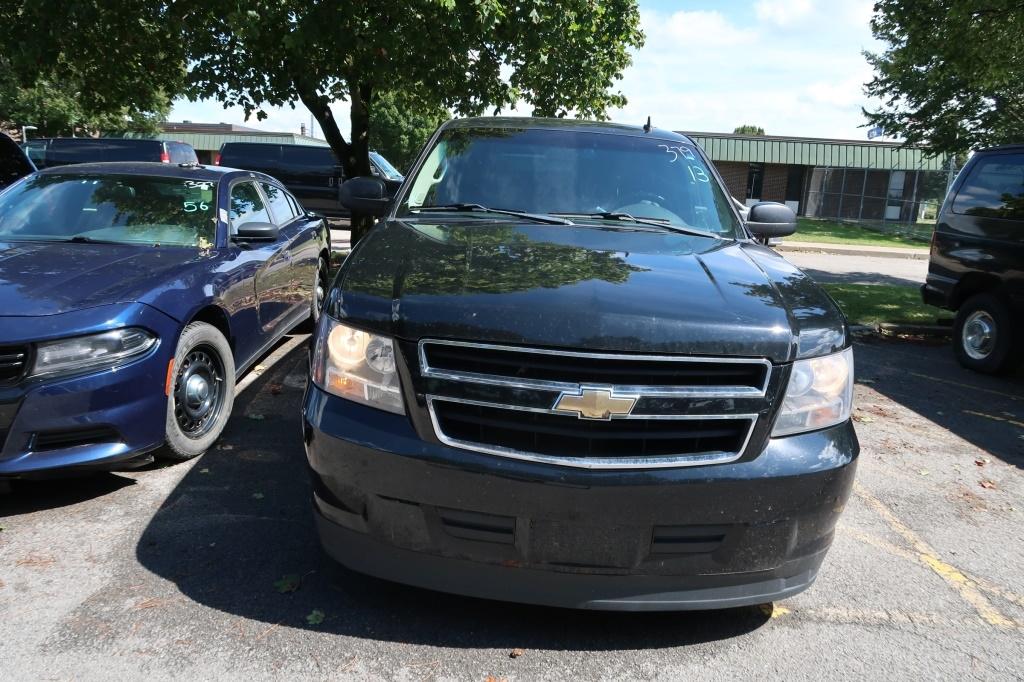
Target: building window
(755, 181)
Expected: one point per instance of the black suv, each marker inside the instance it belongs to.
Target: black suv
(561, 370)
(312, 173)
(47, 152)
(977, 260)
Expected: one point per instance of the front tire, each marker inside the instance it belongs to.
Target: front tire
(202, 392)
(983, 335)
(318, 297)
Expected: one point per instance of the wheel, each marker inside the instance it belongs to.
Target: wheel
(202, 393)
(319, 295)
(983, 335)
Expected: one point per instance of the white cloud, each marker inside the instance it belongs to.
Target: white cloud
(783, 12)
(709, 70)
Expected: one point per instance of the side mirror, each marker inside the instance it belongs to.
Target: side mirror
(256, 232)
(768, 219)
(366, 195)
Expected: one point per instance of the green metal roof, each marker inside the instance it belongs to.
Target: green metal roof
(213, 141)
(816, 152)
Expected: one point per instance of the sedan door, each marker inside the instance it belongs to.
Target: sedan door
(302, 245)
(273, 277)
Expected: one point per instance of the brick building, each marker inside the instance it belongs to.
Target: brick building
(845, 179)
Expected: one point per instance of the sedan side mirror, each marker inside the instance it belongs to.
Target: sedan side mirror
(366, 195)
(256, 232)
(769, 219)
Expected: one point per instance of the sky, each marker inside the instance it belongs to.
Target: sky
(793, 67)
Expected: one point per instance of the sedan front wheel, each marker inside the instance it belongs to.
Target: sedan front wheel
(202, 392)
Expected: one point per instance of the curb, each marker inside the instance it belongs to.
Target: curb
(934, 331)
(843, 250)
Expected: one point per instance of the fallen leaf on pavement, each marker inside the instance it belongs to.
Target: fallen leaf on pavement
(981, 462)
(987, 484)
(204, 471)
(516, 653)
(288, 583)
(863, 418)
(225, 446)
(275, 389)
(256, 417)
(315, 617)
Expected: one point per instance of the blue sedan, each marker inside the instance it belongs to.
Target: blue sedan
(132, 295)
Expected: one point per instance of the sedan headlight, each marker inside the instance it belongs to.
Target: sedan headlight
(92, 352)
(819, 394)
(357, 365)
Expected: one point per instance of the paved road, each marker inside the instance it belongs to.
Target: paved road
(825, 267)
(170, 572)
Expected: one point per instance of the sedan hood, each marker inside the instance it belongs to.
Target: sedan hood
(38, 278)
(585, 287)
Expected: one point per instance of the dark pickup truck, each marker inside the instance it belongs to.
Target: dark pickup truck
(562, 370)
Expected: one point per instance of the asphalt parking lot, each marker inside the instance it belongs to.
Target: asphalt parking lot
(211, 569)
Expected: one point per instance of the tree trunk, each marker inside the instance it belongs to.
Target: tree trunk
(358, 160)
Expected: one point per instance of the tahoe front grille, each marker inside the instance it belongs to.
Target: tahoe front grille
(558, 435)
(13, 363)
(593, 410)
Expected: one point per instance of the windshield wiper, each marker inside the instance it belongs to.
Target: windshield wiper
(642, 220)
(479, 208)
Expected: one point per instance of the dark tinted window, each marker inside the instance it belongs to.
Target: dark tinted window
(247, 206)
(280, 208)
(265, 158)
(315, 159)
(994, 188)
(62, 152)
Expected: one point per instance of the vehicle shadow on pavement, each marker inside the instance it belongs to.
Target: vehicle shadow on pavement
(237, 535)
(28, 496)
(823, 276)
(986, 411)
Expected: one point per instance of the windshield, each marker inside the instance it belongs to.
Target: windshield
(130, 209)
(572, 173)
(389, 171)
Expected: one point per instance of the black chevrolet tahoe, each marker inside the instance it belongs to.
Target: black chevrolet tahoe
(977, 260)
(561, 370)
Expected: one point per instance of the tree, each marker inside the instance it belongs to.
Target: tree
(55, 107)
(469, 56)
(952, 76)
(748, 129)
(400, 124)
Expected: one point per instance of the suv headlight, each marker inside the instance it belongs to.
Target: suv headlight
(357, 365)
(92, 352)
(819, 394)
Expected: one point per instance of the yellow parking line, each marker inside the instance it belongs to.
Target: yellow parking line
(968, 590)
(962, 385)
(995, 418)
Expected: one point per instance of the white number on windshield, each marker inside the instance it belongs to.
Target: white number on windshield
(193, 206)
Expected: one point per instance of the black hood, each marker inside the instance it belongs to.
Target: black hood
(584, 287)
(14, 165)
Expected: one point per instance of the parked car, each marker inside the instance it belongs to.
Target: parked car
(63, 151)
(313, 174)
(132, 295)
(560, 370)
(977, 260)
(13, 162)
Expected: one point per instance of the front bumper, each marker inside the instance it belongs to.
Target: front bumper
(98, 420)
(391, 504)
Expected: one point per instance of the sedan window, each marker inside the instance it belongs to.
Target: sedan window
(279, 205)
(247, 206)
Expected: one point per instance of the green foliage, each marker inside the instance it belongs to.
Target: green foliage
(400, 124)
(56, 108)
(952, 76)
(883, 303)
(468, 56)
(748, 129)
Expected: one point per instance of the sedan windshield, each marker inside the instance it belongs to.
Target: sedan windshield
(589, 176)
(129, 209)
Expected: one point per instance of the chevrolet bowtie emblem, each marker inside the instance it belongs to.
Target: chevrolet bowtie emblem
(595, 403)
